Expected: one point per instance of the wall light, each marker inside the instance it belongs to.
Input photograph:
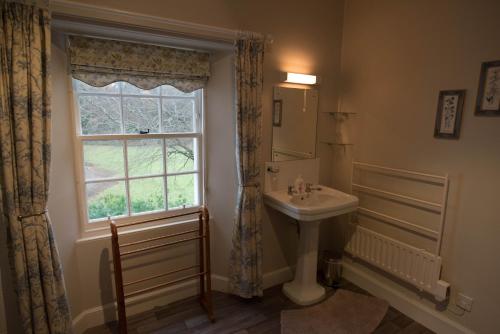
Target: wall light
(305, 79)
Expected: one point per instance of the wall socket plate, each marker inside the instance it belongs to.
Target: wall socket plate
(464, 302)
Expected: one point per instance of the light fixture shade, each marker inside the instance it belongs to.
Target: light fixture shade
(305, 79)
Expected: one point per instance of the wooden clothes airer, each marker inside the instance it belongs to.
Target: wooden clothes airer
(202, 235)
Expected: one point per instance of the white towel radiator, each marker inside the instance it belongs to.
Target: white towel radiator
(416, 266)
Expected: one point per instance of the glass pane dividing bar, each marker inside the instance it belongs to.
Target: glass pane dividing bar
(127, 185)
(141, 177)
(183, 173)
(164, 162)
(157, 238)
(140, 136)
(160, 275)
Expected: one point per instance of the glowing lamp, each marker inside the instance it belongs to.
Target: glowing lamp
(297, 78)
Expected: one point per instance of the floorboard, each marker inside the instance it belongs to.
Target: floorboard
(235, 315)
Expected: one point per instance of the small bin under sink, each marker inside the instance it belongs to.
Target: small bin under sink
(331, 268)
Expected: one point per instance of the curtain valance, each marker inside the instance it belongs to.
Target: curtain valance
(99, 62)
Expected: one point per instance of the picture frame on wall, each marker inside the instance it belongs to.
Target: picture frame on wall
(277, 112)
(449, 114)
(488, 94)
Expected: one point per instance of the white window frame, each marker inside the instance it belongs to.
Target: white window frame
(97, 227)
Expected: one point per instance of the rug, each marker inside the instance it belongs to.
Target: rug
(345, 312)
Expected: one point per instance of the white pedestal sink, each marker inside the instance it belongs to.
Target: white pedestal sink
(309, 211)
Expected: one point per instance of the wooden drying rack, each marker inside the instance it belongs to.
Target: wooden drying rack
(203, 236)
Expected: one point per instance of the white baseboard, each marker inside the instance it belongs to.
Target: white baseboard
(416, 310)
(95, 316)
(220, 283)
(270, 279)
(277, 277)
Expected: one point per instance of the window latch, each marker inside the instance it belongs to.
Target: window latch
(144, 132)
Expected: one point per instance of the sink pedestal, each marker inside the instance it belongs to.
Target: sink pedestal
(304, 290)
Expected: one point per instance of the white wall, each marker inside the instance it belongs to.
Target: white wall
(397, 56)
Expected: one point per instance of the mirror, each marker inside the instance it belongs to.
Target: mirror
(295, 115)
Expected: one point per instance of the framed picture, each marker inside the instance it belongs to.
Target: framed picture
(488, 94)
(277, 112)
(449, 114)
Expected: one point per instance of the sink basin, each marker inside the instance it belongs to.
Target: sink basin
(321, 204)
(309, 210)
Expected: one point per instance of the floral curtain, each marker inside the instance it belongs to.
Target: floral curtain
(99, 62)
(246, 254)
(24, 167)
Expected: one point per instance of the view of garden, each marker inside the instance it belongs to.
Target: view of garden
(142, 165)
(105, 159)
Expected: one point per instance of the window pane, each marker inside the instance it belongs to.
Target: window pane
(147, 194)
(181, 190)
(172, 91)
(145, 157)
(100, 114)
(103, 159)
(82, 87)
(106, 199)
(131, 89)
(181, 155)
(141, 114)
(178, 115)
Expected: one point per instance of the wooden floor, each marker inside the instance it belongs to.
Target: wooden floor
(237, 315)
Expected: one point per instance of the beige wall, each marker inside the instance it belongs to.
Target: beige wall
(307, 39)
(63, 204)
(396, 57)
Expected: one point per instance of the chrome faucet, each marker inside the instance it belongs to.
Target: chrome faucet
(310, 188)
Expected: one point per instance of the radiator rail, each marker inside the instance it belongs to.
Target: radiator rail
(416, 266)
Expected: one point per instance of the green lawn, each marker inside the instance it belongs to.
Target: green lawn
(106, 160)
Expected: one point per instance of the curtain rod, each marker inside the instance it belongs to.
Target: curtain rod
(132, 34)
(71, 11)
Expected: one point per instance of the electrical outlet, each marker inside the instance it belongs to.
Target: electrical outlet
(464, 302)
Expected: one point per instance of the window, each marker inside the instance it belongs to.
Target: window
(139, 150)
